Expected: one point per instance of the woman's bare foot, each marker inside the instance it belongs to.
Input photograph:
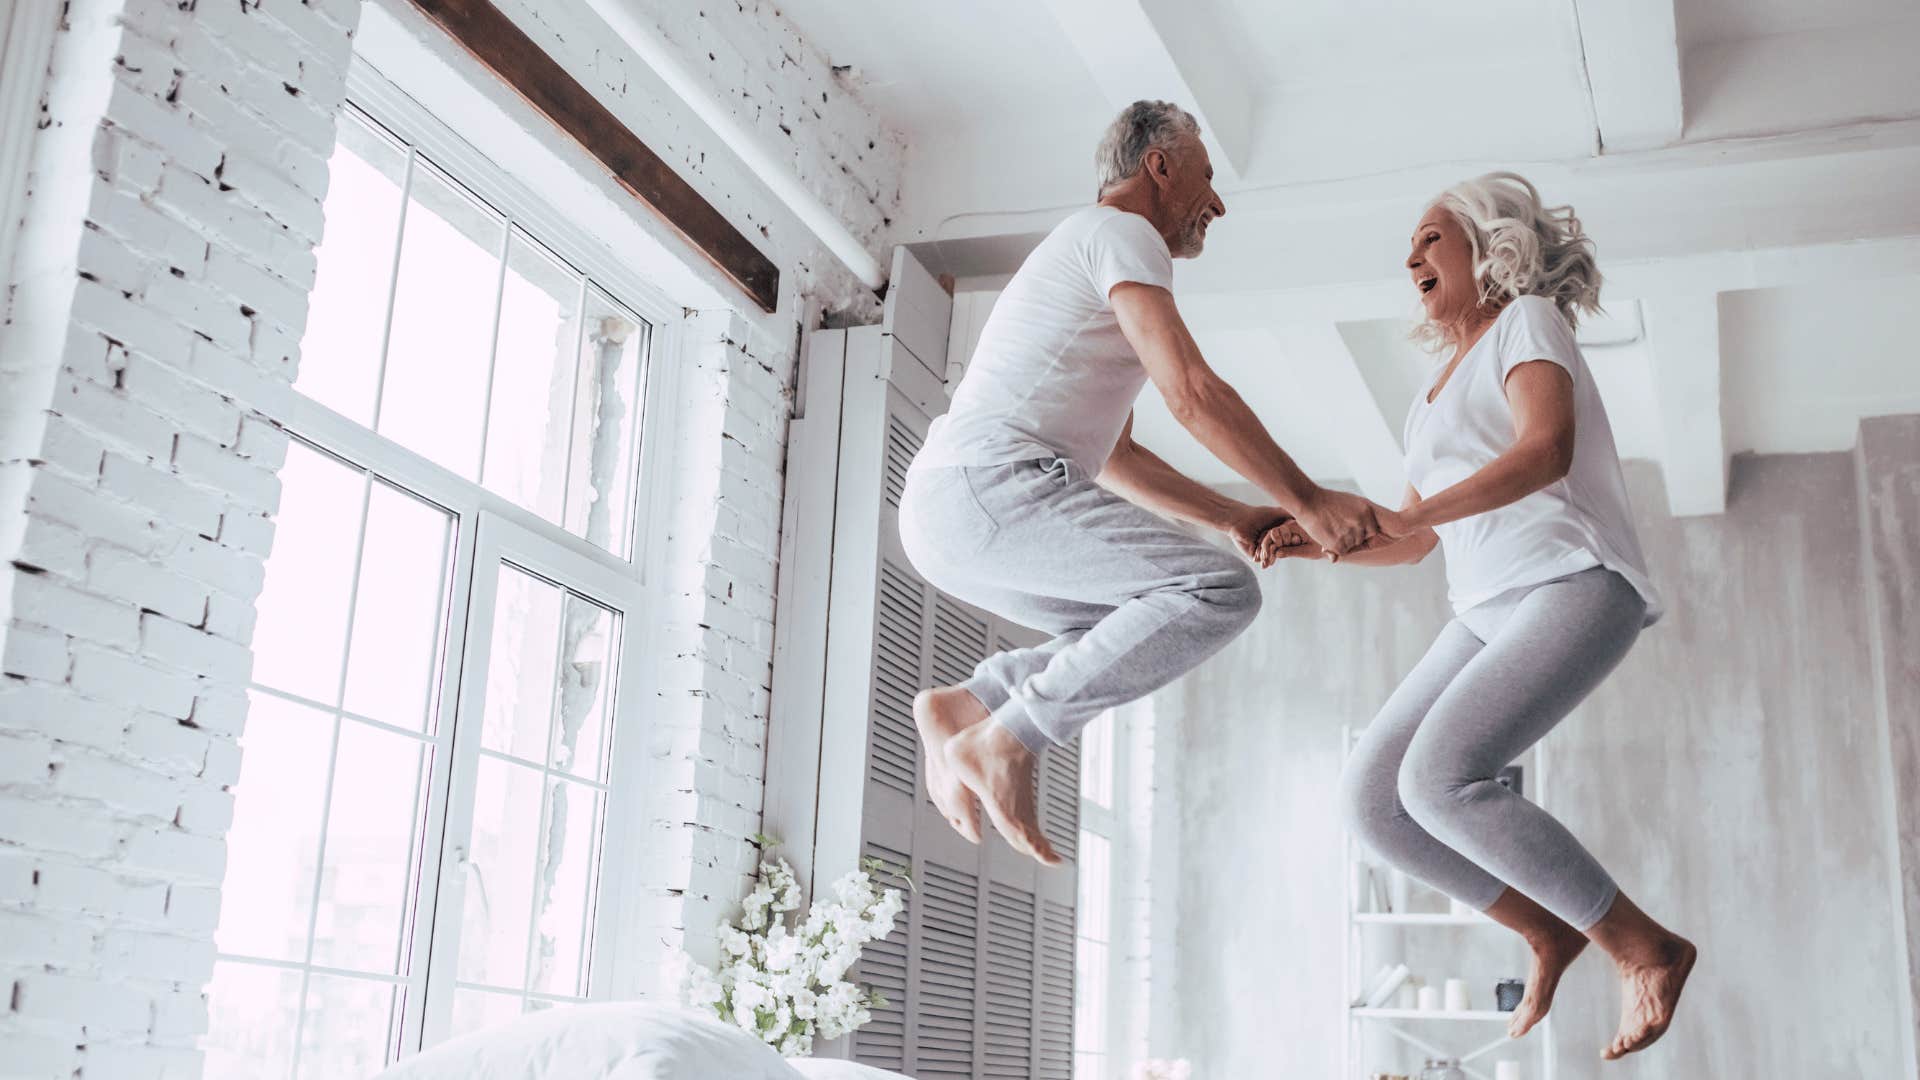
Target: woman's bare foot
(996, 768)
(940, 714)
(1553, 952)
(1649, 993)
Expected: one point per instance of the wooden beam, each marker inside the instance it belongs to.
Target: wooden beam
(504, 49)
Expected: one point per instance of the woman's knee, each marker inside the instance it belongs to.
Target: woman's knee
(1428, 786)
(1367, 800)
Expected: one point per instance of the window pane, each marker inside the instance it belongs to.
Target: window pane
(438, 352)
(396, 623)
(348, 1026)
(564, 885)
(474, 1010)
(520, 671)
(252, 1012)
(273, 846)
(499, 880)
(300, 638)
(372, 826)
(529, 420)
(347, 315)
(591, 648)
(600, 497)
(1096, 887)
(1096, 761)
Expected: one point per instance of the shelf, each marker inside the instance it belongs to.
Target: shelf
(1480, 1015)
(1428, 918)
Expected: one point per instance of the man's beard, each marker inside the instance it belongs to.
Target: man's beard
(1191, 241)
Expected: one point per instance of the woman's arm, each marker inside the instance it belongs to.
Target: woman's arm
(1141, 476)
(1540, 394)
(1285, 542)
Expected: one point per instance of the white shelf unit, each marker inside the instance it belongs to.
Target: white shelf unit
(1538, 1044)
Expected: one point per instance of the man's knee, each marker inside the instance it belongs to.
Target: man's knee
(1233, 590)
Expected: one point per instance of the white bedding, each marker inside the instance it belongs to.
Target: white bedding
(617, 1041)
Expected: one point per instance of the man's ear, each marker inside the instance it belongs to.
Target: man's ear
(1156, 164)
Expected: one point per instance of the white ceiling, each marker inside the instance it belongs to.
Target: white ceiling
(1755, 158)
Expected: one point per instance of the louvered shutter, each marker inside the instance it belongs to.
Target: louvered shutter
(978, 978)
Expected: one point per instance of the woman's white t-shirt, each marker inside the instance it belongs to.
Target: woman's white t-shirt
(1579, 521)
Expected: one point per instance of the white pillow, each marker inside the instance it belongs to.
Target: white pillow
(613, 1041)
(834, 1069)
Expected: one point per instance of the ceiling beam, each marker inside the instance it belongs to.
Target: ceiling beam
(1631, 50)
(1683, 345)
(1329, 373)
(1166, 50)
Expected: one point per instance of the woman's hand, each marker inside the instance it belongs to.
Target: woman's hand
(1287, 540)
(1249, 523)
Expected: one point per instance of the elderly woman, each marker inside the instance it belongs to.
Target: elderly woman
(1514, 473)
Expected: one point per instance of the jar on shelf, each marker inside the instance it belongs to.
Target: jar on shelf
(1442, 1069)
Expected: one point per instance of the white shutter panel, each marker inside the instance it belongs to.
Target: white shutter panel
(978, 978)
(1011, 989)
(1055, 1038)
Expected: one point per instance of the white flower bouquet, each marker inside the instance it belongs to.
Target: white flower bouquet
(784, 981)
(1161, 1069)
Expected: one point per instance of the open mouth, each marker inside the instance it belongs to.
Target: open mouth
(1427, 284)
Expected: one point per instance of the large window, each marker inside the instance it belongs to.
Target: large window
(1093, 979)
(440, 745)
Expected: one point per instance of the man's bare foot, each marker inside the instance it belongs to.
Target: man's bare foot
(1649, 992)
(996, 768)
(940, 714)
(1553, 952)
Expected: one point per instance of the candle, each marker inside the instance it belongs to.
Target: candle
(1429, 999)
(1506, 1070)
(1457, 996)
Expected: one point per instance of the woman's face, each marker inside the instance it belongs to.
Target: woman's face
(1441, 263)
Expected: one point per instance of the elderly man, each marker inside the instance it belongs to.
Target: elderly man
(1031, 499)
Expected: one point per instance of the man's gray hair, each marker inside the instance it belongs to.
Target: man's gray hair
(1140, 127)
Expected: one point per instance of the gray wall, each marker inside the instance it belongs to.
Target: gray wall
(1732, 774)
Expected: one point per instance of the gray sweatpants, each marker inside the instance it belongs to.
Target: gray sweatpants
(1419, 788)
(1133, 601)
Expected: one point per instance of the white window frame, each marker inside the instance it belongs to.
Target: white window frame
(1106, 823)
(490, 526)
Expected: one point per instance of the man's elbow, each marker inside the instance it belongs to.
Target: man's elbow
(1195, 401)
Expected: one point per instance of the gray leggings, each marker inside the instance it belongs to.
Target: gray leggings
(1419, 788)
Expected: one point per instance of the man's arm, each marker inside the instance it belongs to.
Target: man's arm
(1217, 416)
(1142, 477)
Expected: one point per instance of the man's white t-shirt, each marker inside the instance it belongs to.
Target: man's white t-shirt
(1053, 376)
(1579, 521)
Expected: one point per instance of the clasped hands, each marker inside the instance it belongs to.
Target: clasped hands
(1332, 525)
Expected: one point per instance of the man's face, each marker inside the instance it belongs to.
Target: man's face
(1188, 195)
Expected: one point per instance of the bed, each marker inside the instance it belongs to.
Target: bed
(618, 1041)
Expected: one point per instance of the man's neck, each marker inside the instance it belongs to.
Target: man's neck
(1135, 199)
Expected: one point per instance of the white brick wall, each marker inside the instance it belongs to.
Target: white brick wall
(161, 282)
(708, 743)
(156, 307)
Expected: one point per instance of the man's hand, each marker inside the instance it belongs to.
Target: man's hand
(1339, 522)
(1247, 525)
